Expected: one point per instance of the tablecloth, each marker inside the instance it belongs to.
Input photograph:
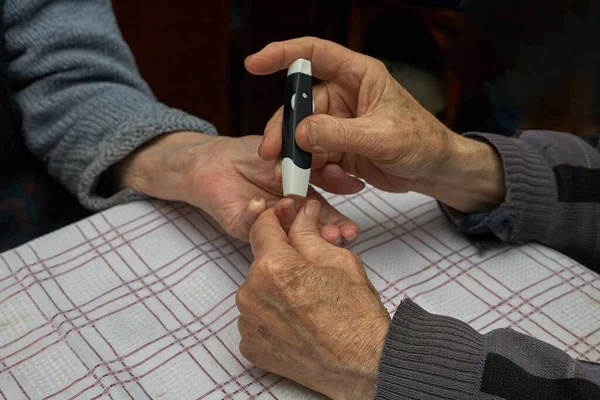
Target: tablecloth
(138, 302)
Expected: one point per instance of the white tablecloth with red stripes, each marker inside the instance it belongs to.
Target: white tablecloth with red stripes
(138, 302)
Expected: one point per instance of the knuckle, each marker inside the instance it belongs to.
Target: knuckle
(246, 351)
(355, 260)
(341, 134)
(271, 270)
(389, 146)
(351, 258)
(269, 266)
(240, 326)
(243, 300)
(379, 65)
(299, 235)
(339, 258)
(388, 126)
(244, 327)
(346, 258)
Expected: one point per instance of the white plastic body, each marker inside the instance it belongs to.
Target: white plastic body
(300, 65)
(295, 179)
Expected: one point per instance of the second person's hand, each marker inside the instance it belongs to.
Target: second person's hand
(308, 310)
(225, 177)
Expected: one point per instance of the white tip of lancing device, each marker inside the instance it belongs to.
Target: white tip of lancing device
(300, 65)
(295, 179)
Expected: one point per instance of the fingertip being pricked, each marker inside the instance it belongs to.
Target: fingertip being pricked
(350, 232)
(331, 233)
(286, 211)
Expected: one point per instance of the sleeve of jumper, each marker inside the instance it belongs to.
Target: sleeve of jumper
(429, 356)
(553, 194)
(83, 103)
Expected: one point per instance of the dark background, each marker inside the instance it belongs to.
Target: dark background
(191, 52)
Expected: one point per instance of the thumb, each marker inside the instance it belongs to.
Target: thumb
(363, 136)
(304, 234)
(267, 236)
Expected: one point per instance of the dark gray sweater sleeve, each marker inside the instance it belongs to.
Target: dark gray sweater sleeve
(553, 194)
(429, 356)
(84, 105)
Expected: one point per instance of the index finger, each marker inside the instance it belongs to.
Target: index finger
(267, 236)
(327, 58)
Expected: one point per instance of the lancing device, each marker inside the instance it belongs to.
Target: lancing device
(298, 104)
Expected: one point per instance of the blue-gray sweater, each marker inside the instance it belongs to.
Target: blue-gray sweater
(82, 102)
(83, 107)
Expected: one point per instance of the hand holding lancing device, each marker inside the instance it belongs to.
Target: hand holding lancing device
(369, 126)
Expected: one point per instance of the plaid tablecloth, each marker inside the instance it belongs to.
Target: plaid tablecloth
(138, 302)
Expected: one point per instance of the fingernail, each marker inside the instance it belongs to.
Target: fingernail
(255, 201)
(311, 208)
(286, 205)
(311, 132)
(352, 238)
(338, 241)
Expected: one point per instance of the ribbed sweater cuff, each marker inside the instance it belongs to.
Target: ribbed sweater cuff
(429, 356)
(142, 127)
(531, 186)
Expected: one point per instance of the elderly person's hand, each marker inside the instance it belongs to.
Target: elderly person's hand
(308, 310)
(225, 177)
(369, 125)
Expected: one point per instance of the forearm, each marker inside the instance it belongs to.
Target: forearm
(546, 190)
(430, 356)
(84, 105)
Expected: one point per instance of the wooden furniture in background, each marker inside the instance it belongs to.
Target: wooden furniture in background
(182, 50)
(191, 53)
(443, 25)
(266, 21)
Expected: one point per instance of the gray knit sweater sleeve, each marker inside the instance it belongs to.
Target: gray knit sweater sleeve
(429, 356)
(84, 105)
(553, 194)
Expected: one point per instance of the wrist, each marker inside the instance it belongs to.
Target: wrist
(472, 180)
(362, 374)
(159, 167)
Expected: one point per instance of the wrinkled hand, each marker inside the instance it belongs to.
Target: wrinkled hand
(368, 124)
(308, 310)
(226, 178)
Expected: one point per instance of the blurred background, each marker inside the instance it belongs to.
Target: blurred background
(497, 66)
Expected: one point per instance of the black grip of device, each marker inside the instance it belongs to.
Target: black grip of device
(301, 85)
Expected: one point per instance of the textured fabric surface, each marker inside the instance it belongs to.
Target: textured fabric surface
(139, 301)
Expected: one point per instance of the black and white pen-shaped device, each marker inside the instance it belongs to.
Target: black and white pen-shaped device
(298, 104)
